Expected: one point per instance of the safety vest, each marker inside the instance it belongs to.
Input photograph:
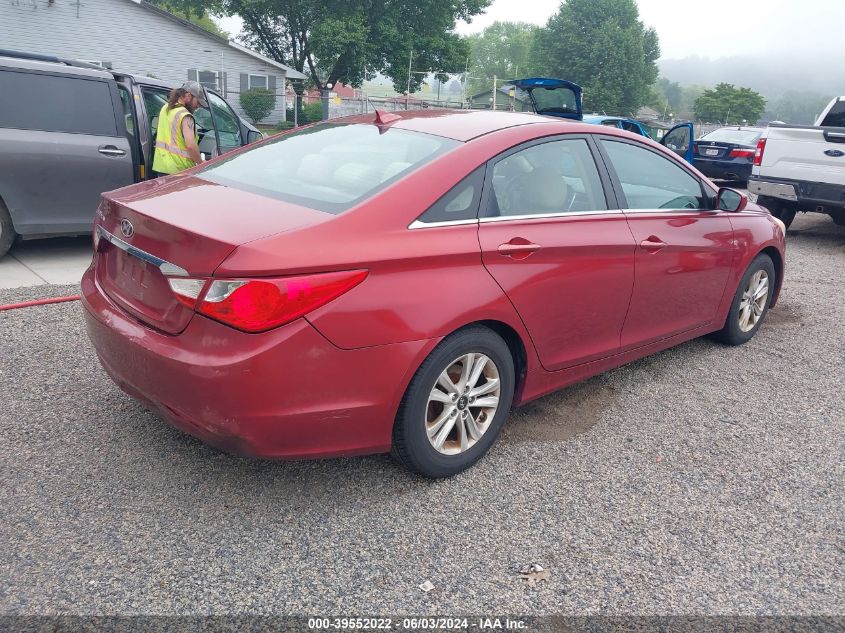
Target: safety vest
(171, 153)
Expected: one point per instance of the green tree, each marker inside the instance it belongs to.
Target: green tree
(258, 103)
(502, 49)
(194, 15)
(667, 96)
(728, 104)
(353, 40)
(602, 45)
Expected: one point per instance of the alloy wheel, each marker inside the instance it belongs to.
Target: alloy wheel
(462, 403)
(753, 302)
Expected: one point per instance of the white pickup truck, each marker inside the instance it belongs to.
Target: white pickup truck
(802, 168)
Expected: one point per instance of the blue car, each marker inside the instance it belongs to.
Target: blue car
(727, 153)
(563, 99)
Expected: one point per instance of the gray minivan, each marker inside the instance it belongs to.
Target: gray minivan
(70, 130)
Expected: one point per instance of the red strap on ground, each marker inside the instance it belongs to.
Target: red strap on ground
(37, 302)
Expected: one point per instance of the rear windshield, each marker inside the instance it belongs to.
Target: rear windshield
(740, 137)
(560, 100)
(836, 116)
(329, 167)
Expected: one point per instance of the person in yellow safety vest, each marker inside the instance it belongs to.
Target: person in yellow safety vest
(176, 146)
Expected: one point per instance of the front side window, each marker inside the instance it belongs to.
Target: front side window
(49, 103)
(329, 167)
(228, 125)
(650, 181)
(549, 178)
(257, 81)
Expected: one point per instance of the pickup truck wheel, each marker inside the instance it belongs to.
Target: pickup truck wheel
(7, 230)
(751, 302)
(783, 211)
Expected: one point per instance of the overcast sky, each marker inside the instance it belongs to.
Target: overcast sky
(715, 28)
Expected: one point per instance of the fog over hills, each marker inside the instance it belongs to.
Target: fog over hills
(772, 75)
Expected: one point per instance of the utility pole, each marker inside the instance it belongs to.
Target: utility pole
(466, 81)
(494, 92)
(408, 90)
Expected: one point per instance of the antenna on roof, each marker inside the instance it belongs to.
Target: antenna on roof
(383, 117)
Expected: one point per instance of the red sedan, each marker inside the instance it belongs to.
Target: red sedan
(377, 283)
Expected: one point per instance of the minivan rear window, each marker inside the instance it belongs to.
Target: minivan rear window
(330, 167)
(49, 103)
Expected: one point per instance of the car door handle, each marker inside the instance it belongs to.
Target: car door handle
(111, 150)
(518, 248)
(652, 244)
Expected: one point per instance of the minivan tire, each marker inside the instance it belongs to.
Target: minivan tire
(7, 230)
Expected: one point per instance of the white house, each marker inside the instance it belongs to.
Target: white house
(136, 37)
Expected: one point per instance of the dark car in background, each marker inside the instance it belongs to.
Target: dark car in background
(727, 153)
(70, 130)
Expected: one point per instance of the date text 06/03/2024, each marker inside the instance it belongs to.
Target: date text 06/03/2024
(416, 624)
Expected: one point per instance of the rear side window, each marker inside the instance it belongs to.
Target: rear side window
(460, 203)
(836, 116)
(329, 167)
(547, 179)
(30, 101)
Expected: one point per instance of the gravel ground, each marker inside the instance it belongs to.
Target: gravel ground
(705, 479)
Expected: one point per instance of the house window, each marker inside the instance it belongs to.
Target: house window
(209, 79)
(257, 81)
(99, 63)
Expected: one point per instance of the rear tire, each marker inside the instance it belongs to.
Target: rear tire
(781, 209)
(456, 404)
(7, 230)
(751, 302)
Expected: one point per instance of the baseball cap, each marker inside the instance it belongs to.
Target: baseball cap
(195, 89)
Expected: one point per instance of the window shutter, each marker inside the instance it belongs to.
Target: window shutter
(271, 83)
(244, 82)
(193, 74)
(225, 84)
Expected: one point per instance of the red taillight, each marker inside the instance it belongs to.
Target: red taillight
(258, 305)
(758, 154)
(742, 153)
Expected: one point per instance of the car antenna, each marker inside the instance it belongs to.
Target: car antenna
(383, 117)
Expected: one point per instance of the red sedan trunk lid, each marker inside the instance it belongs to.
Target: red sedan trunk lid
(189, 223)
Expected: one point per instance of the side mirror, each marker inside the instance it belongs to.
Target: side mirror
(730, 200)
(253, 136)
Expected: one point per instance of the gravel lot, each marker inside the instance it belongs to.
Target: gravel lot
(705, 479)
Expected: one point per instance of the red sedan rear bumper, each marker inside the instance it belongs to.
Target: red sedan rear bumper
(287, 393)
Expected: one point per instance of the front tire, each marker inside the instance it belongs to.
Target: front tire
(751, 302)
(456, 404)
(781, 209)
